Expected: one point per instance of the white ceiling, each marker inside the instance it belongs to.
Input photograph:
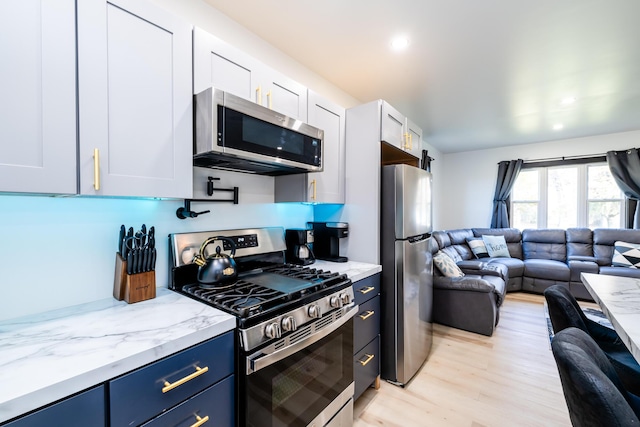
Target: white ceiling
(477, 73)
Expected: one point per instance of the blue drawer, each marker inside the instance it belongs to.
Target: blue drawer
(84, 409)
(366, 324)
(366, 366)
(216, 403)
(138, 396)
(366, 288)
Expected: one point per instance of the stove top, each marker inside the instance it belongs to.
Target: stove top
(268, 290)
(270, 296)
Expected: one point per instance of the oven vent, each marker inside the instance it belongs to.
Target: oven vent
(325, 321)
(300, 334)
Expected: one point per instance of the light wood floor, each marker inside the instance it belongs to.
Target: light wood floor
(509, 379)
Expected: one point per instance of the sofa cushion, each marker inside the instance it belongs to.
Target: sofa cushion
(548, 244)
(576, 267)
(604, 239)
(512, 236)
(478, 247)
(626, 255)
(514, 265)
(496, 246)
(546, 269)
(579, 243)
(620, 271)
(446, 265)
(442, 238)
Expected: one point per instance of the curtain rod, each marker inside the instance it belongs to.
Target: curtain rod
(550, 159)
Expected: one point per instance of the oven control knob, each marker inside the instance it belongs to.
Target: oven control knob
(272, 330)
(289, 324)
(346, 299)
(335, 301)
(314, 311)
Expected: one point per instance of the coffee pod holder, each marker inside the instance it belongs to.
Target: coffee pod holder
(132, 287)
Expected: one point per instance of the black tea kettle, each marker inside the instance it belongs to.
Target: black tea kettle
(217, 269)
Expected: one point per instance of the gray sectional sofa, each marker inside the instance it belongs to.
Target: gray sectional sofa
(539, 258)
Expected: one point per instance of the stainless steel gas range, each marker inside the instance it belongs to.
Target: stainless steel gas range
(294, 352)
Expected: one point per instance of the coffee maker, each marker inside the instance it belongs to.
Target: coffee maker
(298, 251)
(327, 237)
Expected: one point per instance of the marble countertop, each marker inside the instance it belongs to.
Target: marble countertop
(50, 356)
(353, 269)
(619, 299)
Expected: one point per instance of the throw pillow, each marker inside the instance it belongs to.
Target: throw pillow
(496, 246)
(445, 264)
(477, 247)
(626, 255)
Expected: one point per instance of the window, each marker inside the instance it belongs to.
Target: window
(582, 195)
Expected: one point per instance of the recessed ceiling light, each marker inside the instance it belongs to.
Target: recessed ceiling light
(399, 43)
(568, 100)
(558, 126)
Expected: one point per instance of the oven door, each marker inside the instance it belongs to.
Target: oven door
(308, 381)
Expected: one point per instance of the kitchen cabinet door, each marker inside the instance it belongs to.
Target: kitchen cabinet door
(414, 134)
(283, 94)
(222, 66)
(135, 100)
(84, 409)
(392, 129)
(326, 186)
(38, 102)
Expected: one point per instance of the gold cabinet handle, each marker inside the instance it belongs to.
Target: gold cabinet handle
(269, 103)
(369, 359)
(200, 421)
(405, 145)
(366, 316)
(366, 290)
(410, 141)
(170, 386)
(96, 169)
(314, 195)
(259, 95)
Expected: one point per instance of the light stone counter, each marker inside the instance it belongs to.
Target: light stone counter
(619, 299)
(353, 269)
(50, 356)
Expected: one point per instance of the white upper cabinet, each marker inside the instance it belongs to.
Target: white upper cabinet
(399, 131)
(326, 186)
(38, 101)
(414, 135)
(135, 100)
(220, 65)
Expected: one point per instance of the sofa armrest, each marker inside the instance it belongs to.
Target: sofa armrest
(475, 284)
(483, 268)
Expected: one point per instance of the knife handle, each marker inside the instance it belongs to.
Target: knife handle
(153, 259)
(130, 262)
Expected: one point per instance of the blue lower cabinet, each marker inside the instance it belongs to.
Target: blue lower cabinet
(143, 394)
(366, 366)
(212, 407)
(82, 410)
(366, 324)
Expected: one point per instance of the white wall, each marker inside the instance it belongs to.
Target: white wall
(469, 178)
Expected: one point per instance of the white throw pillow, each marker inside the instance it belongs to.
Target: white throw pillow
(496, 246)
(446, 265)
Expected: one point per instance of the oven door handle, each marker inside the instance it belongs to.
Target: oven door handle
(259, 360)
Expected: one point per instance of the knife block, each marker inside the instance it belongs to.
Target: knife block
(132, 287)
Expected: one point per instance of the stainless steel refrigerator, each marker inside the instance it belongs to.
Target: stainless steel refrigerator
(407, 266)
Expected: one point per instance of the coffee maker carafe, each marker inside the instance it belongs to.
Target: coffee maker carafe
(327, 237)
(298, 250)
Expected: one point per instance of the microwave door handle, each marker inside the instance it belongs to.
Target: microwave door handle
(258, 361)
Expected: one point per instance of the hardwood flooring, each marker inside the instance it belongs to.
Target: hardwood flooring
(469, 380)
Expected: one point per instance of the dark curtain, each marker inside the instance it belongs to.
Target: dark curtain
(625, 169)
(507, 173)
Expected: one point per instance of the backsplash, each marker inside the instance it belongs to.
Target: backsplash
(60, 251)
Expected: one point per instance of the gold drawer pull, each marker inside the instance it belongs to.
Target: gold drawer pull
(366, 316)
(366, 290)
(96, 169)
(170, 386)
(369, 359)
(200, 421)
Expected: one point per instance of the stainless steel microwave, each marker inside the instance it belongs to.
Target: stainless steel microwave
(233, 133)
